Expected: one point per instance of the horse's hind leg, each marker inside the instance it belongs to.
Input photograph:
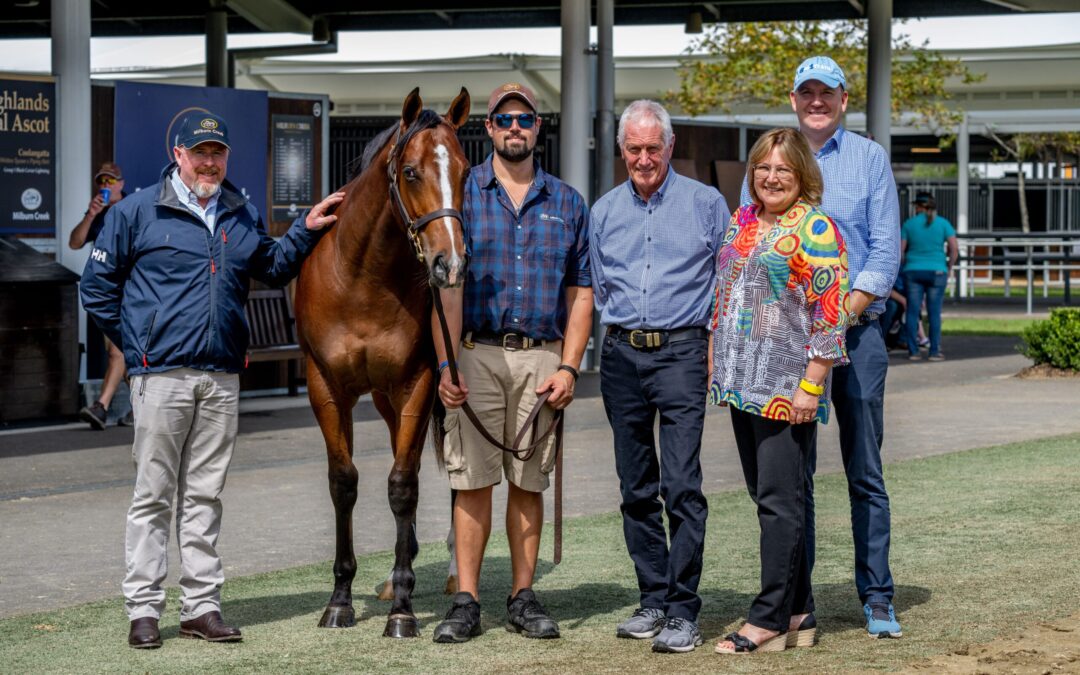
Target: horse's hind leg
(333, 410)
(409, 426)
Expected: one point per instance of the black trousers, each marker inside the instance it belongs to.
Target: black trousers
(636, 386)
(774, 455)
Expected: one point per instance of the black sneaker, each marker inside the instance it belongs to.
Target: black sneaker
(525, 615)
(462, 622)
(95, 415)
(128, 420)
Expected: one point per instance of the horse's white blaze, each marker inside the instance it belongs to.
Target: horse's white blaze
(442, 159)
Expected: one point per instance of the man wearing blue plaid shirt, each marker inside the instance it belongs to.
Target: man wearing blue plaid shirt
(860, 196)
(526, 314)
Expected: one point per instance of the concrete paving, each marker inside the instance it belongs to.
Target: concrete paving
(64, 491)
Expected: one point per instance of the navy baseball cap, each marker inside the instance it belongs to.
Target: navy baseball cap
(820, 68)
(201, 127)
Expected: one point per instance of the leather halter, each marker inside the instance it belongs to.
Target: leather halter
(416, 226)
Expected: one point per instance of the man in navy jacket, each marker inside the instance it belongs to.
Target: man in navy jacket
(167, 282)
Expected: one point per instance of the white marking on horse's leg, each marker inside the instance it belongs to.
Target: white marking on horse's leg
(452, 571)
(442, 159)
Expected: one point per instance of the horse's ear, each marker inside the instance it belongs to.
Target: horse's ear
(458, 114)
(410, 110)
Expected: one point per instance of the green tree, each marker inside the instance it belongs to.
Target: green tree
(739, 63)
(1020, 148)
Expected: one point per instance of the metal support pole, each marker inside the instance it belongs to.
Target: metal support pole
(217, 37)
(879, 14)
(963, 158)
(71, 66)
(575, 125)
(605, 125)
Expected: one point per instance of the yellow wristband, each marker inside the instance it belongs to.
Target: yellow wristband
(811, 388)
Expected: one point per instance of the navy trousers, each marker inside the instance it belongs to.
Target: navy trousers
(858, 395)
(636, 386)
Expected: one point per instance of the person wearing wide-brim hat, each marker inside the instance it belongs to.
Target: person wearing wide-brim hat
(927, 268)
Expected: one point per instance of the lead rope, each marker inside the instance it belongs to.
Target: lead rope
(530, 426)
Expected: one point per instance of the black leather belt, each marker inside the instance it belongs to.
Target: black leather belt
(511, 342)
(649, 338)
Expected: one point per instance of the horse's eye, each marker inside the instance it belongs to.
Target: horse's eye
(409, 173)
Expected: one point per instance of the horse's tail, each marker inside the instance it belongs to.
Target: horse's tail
(438, 431)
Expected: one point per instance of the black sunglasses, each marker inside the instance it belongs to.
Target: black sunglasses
(506, 120)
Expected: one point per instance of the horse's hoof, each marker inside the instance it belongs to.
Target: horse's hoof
(451, 585)
(385, 590)
(402, 626)
(338, 617)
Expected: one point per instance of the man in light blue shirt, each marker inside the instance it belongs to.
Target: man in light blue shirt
(860, 196)
(653, 243)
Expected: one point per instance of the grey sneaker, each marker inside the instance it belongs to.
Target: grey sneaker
(95, 415)
(679, 635)
(644, 623)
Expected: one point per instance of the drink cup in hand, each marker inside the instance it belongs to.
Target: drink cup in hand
(105, 194)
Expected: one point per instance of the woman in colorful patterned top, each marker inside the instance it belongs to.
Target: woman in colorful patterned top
(778, 328)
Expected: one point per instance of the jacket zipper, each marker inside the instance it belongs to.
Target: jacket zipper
(146, 343)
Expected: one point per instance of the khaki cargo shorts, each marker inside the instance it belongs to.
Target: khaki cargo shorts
(502, 392)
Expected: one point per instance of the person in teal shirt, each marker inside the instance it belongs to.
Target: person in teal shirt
(926, 269)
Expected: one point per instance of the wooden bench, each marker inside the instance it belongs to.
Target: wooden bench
(273, 331)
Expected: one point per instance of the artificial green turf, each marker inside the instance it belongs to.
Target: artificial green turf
(984, 542)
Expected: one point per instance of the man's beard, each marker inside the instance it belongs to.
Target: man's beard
(204, 190)
(514, 155)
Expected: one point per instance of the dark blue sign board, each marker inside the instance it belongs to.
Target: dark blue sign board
(27, 157)
(147, 116)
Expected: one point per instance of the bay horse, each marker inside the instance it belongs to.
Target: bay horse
(363, 312)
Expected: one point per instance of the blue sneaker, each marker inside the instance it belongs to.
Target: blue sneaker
(881, 620)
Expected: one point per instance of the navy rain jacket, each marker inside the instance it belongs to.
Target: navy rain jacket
(169, 293)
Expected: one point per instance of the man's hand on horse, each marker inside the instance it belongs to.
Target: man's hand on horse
(317, 218)
(452, 396)
(561, 385)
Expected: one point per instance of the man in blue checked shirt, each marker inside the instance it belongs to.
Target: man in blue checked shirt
(653, 244)
(860, 196)
(526, 314)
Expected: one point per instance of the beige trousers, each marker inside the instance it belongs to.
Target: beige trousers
(502, 391)
(185, 433)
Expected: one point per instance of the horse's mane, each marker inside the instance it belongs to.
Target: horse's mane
(427, 119)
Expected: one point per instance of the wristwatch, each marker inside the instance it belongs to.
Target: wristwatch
(853, 319)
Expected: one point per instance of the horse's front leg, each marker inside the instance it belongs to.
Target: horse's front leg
(333, 410)
(403, 491)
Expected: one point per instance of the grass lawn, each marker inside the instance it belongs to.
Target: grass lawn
(984, 326)
(1018, 288)
(984, 543)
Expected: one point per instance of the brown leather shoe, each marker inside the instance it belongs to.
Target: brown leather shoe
(144, 634)
(210, 627)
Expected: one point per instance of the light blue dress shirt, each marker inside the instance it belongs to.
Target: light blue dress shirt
(860, 196)
(654, 263)
(189, 199)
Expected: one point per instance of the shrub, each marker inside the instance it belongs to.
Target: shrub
(1055, 341)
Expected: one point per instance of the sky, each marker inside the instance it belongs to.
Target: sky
(118, 54)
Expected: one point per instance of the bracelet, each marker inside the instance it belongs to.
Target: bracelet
(444, 364)
(570, 369)
(811, 387)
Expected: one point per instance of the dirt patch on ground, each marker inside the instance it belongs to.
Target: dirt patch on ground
(1045, 371)
(1045, 648)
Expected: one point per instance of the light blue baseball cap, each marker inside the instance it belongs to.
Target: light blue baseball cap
(820, 68)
